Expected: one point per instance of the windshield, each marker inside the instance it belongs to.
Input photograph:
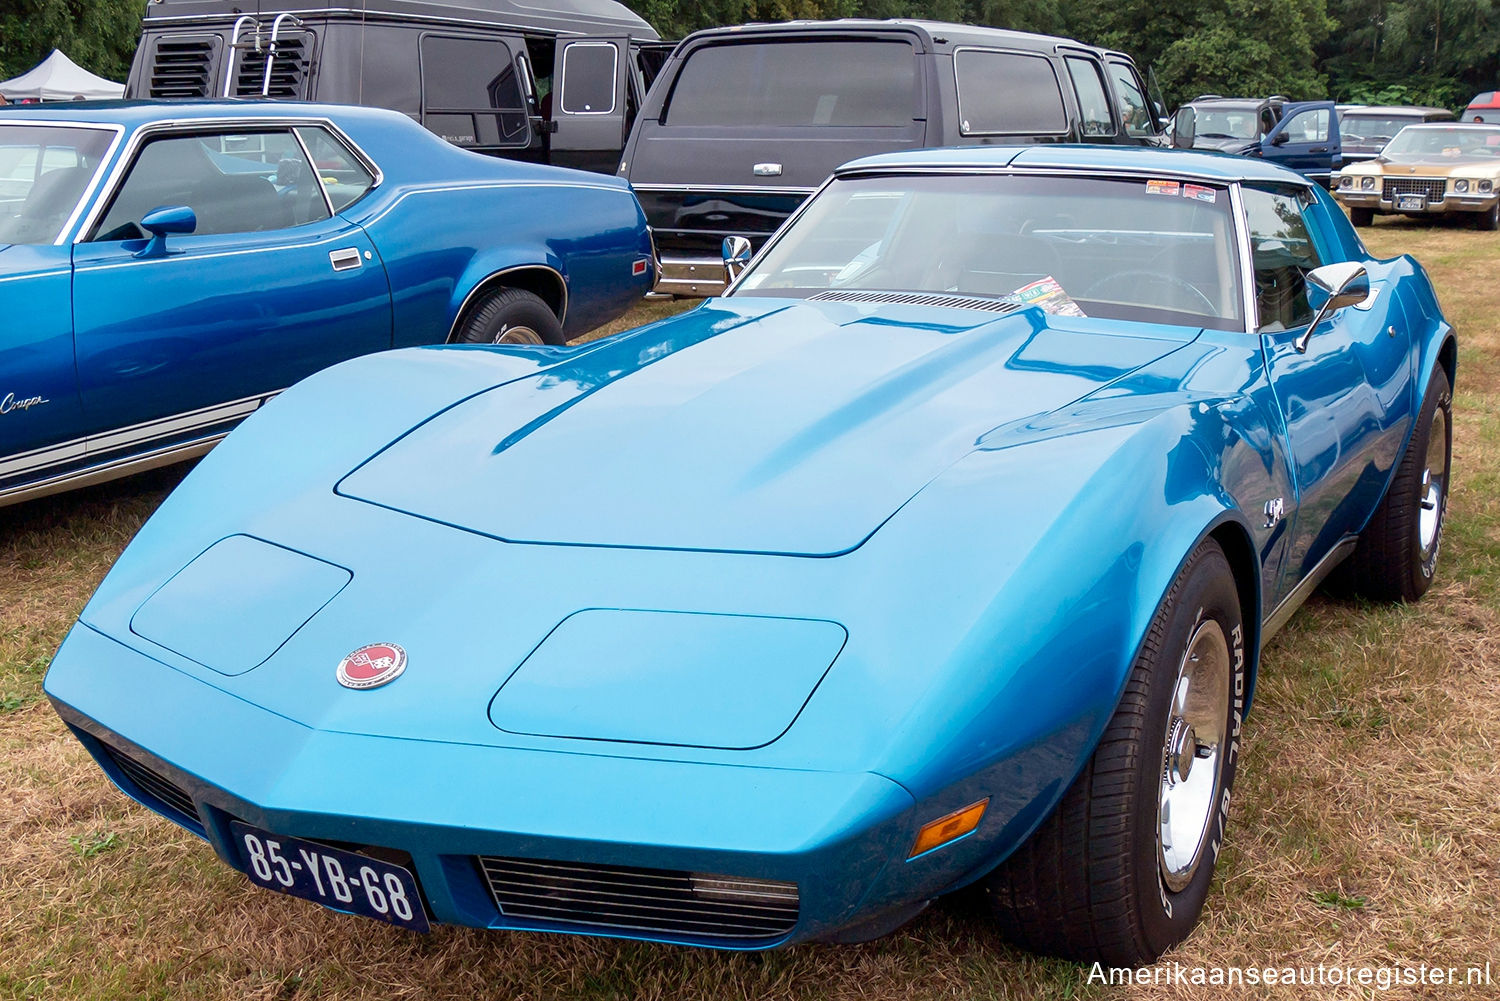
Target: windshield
(1370, 128)
(1159, 250)
(1451, 142)
(43, 174)
(1226, 123)
(774, 84)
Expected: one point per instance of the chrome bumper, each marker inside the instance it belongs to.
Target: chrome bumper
(690, 276)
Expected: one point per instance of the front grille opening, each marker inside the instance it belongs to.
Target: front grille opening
(662, 901)
(157, 790)
(1432, 187)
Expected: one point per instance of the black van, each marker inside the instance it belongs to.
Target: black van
(558, 83)
(743, 123)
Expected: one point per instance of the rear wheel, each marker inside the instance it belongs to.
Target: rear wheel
(1398, 550)
(510, 316)
(1120, 870)
(1362, 216)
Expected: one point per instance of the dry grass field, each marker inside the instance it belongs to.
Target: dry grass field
(1366, 828)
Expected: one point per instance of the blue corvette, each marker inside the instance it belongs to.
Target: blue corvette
(937, 553)
(165, 267)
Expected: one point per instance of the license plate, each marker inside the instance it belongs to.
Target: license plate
(1416, 202)
(344, 881)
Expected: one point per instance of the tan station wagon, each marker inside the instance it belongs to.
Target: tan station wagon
(1426, 170)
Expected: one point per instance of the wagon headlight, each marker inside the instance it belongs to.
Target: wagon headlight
(1485, 187)
(1367, 183)
(1461, 186)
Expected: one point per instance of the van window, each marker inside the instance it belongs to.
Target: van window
(588, 78)
(795, 83)
(1134, 109)
(1093, 97)
(471, 92)
(1008, 92)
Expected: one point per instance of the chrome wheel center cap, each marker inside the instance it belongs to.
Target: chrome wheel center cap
(1182, 750)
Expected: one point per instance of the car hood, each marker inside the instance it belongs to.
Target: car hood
(1430, 165)
(750, 425)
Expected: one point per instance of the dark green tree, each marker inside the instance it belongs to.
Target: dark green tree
(99, 35)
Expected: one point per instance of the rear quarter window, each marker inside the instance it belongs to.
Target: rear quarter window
(1008, 93)
(794, 83)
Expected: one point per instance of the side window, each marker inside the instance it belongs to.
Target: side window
(1093, 97)
(1267, 122)
(243, 182)
(588, 78)
(1134, 109)
(1309, 126)
(344, 178)
(471, 92)
(1008, 93)
(1283, 252)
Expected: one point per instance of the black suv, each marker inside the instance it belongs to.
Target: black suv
(743, 123)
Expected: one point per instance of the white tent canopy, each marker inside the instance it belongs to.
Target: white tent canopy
(58, 78)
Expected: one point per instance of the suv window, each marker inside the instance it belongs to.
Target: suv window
(344, 178)
(471, 92)
(1093, 96)
(241, 182)
(760, 84)
(1283, 252)
(1008, 93)
(1134, 109)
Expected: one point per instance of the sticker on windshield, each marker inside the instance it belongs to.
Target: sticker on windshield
(1162, 187)
(1199, 192)
(1048, 294)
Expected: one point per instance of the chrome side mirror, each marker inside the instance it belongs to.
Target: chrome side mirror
(736, 257)
(1332, 287)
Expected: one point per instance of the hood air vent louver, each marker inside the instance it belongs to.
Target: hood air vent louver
(919, 299)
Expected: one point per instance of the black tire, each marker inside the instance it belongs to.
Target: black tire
(1397, 553)
(1091, 883)
(1488, 220)
(1362, 216)
(509, 316)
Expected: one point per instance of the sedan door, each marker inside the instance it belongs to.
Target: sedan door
(177, 335)
(1344, 397)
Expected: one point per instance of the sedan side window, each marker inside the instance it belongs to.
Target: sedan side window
(342, 175)
(1283, 252)
(241, 182)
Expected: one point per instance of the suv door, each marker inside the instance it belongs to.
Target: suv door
(590, 77)
(271, 286)
(1306, 140)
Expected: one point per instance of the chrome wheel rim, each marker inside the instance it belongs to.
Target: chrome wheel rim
(1434, 483)
(518, 335)
(1191, 752)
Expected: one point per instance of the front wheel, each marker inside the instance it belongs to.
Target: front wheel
(510, 316)
(1489, 220)
(1119, 872)
(1362, 216)
(1398, 550)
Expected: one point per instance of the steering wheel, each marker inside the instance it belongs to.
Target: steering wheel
(1181, 295)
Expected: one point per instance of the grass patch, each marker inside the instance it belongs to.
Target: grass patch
(1366, 825)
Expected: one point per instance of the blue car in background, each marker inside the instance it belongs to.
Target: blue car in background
(1302, 135)
(937, 553)
(165, 267)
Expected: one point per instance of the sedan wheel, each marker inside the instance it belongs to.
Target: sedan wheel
(510, 316)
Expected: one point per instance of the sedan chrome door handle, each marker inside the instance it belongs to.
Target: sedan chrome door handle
(345, 259)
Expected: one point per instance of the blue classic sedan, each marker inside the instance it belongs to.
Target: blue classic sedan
(938, 553)
(167, 267)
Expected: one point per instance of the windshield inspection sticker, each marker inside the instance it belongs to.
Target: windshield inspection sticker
(1199, 192)
(1162, 187)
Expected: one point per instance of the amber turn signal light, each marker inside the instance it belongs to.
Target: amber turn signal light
(950, 828)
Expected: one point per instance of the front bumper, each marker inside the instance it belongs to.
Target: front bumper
(1450, 202)
(203, 758)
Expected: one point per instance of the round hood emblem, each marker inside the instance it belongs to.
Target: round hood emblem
(372, 666)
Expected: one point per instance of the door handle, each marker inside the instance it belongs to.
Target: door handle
(1318, 149)
(345, 259)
